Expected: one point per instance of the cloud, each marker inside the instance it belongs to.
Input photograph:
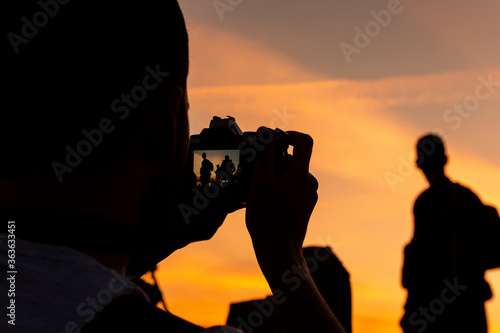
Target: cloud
(219, 57)
(426, 37)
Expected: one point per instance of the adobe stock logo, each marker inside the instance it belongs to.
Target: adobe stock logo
(39, 19)
(221, 7)
(91, 306)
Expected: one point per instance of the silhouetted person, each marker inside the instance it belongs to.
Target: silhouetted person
(206, 170)
(94, 137)
(442, 270)
(217, 174)
(227, 165)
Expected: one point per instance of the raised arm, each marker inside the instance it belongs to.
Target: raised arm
(278, 211)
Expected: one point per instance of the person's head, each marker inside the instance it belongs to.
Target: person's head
(80, 68)
(226, 157)
(95, 101)
(204, 156)
(431, 155)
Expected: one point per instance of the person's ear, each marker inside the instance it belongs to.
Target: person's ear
(158, 135)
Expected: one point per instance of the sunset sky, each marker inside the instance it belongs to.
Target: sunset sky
(365, 79)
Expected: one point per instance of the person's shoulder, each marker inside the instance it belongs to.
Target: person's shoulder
(423, 194)
(422, 198)
(466, 194)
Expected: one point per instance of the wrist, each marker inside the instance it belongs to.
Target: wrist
(283, 269)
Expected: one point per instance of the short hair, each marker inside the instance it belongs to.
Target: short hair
(68, 62)
(430, 152)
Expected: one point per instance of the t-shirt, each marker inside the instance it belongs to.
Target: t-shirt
(58, 289)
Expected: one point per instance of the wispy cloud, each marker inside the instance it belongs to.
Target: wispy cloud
(219, 57)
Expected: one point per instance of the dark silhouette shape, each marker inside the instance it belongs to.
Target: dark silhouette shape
(332, 280)
(227, 168)
(152, 290)
(206, 170)
(443, 270)
(217, 174)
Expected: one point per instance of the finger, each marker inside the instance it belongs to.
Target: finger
(313, 203)
(312, 188)
(313, 183)
(302, 150)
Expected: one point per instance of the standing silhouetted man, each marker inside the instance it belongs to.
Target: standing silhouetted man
(206, 170)
(445, 282)
(228, 166)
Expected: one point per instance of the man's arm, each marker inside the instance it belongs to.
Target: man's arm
(278, 211)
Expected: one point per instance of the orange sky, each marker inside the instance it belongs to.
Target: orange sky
(364, 131)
